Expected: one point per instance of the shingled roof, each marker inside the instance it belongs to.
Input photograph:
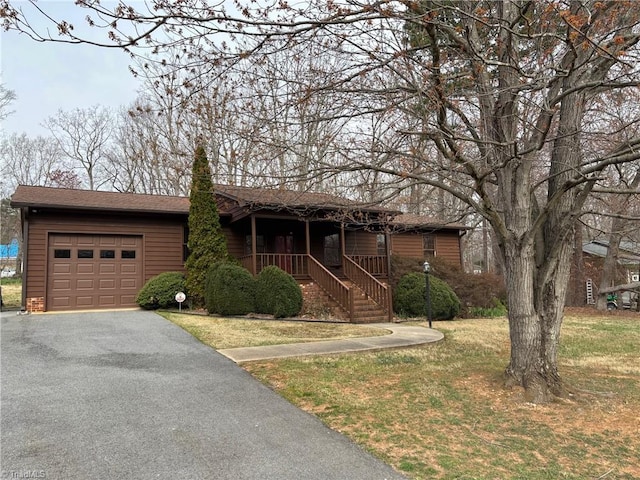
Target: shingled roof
(411, 220)
(66, 198)
(27, 196)
(275, 197)
(247, 197)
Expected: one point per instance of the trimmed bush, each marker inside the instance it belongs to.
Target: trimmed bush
(160, 291)
(277, 293)
(230, 290)
(475, 291)
(209, 287)
(409, 297)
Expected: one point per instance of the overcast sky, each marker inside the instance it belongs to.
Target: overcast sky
(47, 77)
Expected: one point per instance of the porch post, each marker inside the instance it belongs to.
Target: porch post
(343, 244)
(254, 248)
(307, 235)
(387, 247)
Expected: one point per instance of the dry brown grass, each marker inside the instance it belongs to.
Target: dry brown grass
(236, 332)
(442, 411)
(11, 293)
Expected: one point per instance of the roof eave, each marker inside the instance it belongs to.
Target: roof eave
(76, 208)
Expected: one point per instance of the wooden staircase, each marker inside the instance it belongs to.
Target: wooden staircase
(361, 297)
(365, 310)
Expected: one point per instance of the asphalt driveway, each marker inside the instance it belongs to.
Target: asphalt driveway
(119, 395)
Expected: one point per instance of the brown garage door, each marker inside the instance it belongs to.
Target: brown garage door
(93, 271)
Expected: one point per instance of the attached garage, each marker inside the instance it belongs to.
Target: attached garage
(93, 271)
(86, 250)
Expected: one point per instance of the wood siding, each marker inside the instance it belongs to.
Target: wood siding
(235, 242)
(162, 241)
(407, 245)
(361, 243)
(447, 245)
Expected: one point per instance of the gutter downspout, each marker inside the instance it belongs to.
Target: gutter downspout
(25, 251)
(307, 234)
(343, 244)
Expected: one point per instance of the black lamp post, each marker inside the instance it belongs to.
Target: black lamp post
(427, 269)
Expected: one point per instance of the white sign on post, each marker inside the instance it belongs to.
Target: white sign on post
(180, 297)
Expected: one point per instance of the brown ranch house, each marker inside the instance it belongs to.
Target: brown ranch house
(94, 250)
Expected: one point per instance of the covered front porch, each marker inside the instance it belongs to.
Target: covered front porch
(348, 263)
(289, 244)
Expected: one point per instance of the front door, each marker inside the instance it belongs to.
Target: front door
(284, 247)
(332, 256)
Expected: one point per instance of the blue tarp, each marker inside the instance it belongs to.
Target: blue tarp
(9, 251)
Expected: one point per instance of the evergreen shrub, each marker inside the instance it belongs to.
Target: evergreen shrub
(475, 291)
(160, 291)
(230, 290)
(277, 293)
(206, 241)
(409, 298)
(209, 286)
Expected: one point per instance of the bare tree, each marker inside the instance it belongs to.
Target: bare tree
(142, 156)
(84, 137)
(29, 161)
(500, 89)
(33, 161)
(6, 97)
(611, 214)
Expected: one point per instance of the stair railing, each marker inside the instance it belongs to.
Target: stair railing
(332, 285)
(371, 286)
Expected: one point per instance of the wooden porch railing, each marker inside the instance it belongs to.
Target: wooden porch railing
(305, 266)
(295, 264)
(337, 290)
(376, 265)
(376, 290)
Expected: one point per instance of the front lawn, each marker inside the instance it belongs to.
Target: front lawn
(441, 411)
(222, 333)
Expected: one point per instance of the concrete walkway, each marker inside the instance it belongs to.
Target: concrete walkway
(401, 336)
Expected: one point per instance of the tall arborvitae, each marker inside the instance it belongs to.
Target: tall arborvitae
(206, 242)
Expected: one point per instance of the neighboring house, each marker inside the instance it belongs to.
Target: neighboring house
(90, 250)
(628, 256)
(594, 253)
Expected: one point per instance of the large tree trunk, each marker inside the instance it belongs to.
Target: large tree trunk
(539, 263)
(535, 319)
(551, 300)
(525, 365)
